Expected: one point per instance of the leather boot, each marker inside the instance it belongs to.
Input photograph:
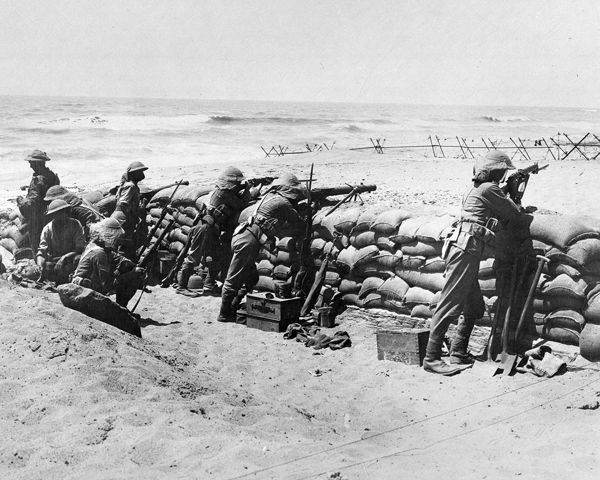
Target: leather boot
(458, 349)
(227, 312)
(440, 367)
(183, 277)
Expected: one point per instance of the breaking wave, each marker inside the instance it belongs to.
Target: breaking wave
(506, 118)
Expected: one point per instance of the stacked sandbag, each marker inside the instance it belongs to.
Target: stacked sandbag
(278, 266)
(13, 231)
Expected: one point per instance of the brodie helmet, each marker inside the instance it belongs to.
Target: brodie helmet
(56, 206)
(37, 156)
(55, 192)
(135, 166)
(230, 179)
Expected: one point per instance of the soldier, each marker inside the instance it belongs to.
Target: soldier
(61, 242)
(102, 269)
(210, 240)
(32, 207)
(81, 210)
(275, 214)
(130, 210)
(483, 205)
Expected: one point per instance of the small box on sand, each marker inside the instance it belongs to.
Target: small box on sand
(268, 307)
(267, 325)
(402, 345)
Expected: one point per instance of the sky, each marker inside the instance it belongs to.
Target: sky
(457, 52)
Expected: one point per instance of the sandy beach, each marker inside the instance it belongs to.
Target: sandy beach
(198, 399)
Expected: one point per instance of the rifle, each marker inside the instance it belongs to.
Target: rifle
(144, 261)
(319, 195)
(302, 275)
(163, 214)
(517, 182)
(168, 280)
(254, 182)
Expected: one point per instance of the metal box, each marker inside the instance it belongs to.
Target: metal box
(266, 306)
(405, 345)
(267, 325)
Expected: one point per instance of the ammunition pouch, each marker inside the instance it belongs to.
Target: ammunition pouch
(487, 235)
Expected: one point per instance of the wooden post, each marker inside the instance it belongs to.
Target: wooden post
(461, 148)
(468, 149)
(524, 149)
(576, 147)
(549, 149)
(486, 145)
(440, 145)
(266, 153)
(432, 148)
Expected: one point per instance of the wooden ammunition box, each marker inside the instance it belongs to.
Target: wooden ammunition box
(259, 305)
(267, 325)
(403, 345)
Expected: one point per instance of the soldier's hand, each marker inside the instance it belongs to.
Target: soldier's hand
(529, 209)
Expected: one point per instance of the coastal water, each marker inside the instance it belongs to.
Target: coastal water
(99, 129)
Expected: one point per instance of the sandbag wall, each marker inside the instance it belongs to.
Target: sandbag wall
(13, 231)
(391, 259)
(187, 204)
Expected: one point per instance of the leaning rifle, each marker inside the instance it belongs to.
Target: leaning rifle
(302, 275)
(170, 278)
(517, 182)
(163, 214)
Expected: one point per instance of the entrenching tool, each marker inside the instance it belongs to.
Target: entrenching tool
(508, 360)
(541, 262)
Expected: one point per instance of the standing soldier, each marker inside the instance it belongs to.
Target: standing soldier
(32, 207)
(275, 214)
(129, 211)
(210, 240)
(483, 205)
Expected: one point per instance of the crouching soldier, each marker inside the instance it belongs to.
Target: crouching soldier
(277, 212)
(102, 269)
(81, 210)
(483, 205)
(210, 240)
(61, 243)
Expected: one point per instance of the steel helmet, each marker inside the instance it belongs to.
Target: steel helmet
(290, 187)
(56, 206)
(135, 166)
(37, 156)
(230, 179)
(54, 192)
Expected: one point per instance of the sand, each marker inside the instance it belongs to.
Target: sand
(199, 399)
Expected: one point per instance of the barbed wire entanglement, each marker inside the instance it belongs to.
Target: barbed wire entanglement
(558, 147)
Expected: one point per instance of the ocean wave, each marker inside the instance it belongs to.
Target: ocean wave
(226, 119)
(506, 118)
(350, 128)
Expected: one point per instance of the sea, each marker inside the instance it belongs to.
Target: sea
(158, 130)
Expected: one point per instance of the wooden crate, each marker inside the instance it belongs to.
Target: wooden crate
(404, 345)
(267, 325)
(259, 305)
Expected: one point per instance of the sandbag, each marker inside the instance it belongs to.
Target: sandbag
(352, 299)
(362, 239)
(265, 284)
(549, 303)
(558, 334)
(561, 230)
(93, 196)
(585, 251)
(370, 285)
(589, 342)
(178, 236)
(327, 222)
(372, 269)
(365, 255)
(383, 242)
(410, 262)
(591, 310)
(284, 272)
(564, 285)
(265, 268)
(386, 260)
(366, 218)
(388, 222)
(394, 288)
(487, 268)
(287, 244)
(421, 311)
(373, 300)
(435, 299)
(561, 318)
(435, 229)
(9, 244)
(349, 286)
(488, 286)
(418, 296)
(430, 281)
(557, 268)
(347, 220)
(106, 206)
(316, 247)
(333, 279)
(99, 307)
(407, 232)
(346, 259)
(424, 249)
(433, 265)
(286, 258)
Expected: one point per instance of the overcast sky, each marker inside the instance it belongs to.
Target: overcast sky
(500, 52)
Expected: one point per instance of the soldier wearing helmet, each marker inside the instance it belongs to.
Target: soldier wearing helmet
(210, 240)
(61, 242)
(81, 210)
(32, 207)
(483, 206)
(275, 215)
(128, 204)
(102, 269)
